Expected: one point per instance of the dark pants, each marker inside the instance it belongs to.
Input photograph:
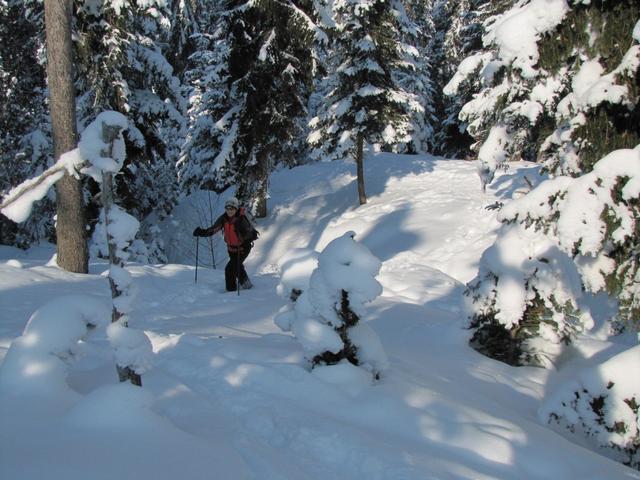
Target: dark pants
(235, 268)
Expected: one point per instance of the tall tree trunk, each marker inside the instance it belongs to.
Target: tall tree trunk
(263, 190)
(362, 196)
(261, 202)
(70, 225)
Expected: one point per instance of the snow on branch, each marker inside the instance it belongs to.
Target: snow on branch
(19, 201)
(602, 402)
(517, 31)
(589, 213)
(91, 157)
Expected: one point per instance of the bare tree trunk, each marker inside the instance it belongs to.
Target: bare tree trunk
(261, 201)
(260, 206)
(362, 196)
(70, 225)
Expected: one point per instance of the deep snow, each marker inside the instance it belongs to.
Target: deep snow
(228, 395)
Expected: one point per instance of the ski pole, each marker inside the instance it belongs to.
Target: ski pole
(238, 271)
(197, 246)
(213, 258)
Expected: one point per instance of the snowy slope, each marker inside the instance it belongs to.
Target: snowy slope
(229, 397)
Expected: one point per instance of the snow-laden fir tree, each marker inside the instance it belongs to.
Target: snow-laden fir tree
(121, 66)
(366, 104)
(248, 111)
(322, 54)
(203, 156)
(515, 97)
(185, 27)
(25, 131)
(415, 74)
(458, 35)
(568, 239)
(441, 15)
(575, 235)
(328, 307)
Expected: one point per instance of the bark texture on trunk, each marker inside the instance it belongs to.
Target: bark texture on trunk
(261, 200)
(362, 196)
(70, 224)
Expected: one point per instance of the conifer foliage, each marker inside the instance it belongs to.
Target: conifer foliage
(122, 66)
(25, 131)
(206, 86)
(459, 29)
(248, 111)
(566, 98)
(366, 103)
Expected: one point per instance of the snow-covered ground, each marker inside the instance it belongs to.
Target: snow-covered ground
(229, 396)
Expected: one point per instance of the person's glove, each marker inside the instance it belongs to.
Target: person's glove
(198, 232)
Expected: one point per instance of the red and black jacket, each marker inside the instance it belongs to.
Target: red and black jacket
(237, 230)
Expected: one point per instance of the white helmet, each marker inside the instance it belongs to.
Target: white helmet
(232, 202)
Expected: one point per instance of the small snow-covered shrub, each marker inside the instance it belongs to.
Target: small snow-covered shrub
(326, 316)
(603, 403)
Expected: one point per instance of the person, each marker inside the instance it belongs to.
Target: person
(237, 232)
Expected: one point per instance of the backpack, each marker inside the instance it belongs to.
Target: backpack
(254, 233)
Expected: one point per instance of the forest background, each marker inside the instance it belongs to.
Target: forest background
(221, 94)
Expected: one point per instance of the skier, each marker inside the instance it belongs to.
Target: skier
(239, 236)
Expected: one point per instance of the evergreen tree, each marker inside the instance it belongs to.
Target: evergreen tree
(25, 132)
(325, 312)
(578, 232)
(415, 74)
(251, 118)
(367, 103)
(122, 66)
(204, 158)
(460, 35)
(323, 62)
(184, 29)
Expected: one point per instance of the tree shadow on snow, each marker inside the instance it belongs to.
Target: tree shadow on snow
(388, 238)
(516, 182)
(379, 168)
